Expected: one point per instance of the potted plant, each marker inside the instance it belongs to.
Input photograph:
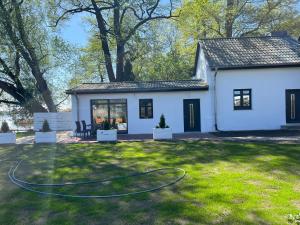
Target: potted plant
(108, 132)
(162, 131)
(7, 136)
(45, 135)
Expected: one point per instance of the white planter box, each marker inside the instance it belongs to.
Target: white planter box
(162, 133)
(45, 137)
(106, 135)
(8, 138)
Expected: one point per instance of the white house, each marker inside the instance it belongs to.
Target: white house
(247, 83)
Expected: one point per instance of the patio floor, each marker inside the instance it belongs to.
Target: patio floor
(280, 136)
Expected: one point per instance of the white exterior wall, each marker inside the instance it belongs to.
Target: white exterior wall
(57, 121)
(268, 97)
(202, 70)
(168, 103)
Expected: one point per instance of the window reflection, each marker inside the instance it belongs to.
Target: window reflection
(242, 99)
(146, 108)
(112, 110)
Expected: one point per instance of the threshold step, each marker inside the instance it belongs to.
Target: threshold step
(295, 126)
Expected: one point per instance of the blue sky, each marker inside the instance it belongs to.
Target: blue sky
(75, 31)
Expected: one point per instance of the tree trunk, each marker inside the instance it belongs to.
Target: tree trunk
(104, 42)
(120, 62)
(34, 106)
(229, 18)
(34, 62)
(23, 45)
(25, 100)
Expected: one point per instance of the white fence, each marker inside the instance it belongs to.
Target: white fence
(57, 121)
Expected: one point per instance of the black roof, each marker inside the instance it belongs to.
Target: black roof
(139, 86)
(249, 52)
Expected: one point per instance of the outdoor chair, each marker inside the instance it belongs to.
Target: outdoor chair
(86, 131)
(78, 131)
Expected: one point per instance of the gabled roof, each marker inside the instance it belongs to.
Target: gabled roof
(139, 86)
(251, 52)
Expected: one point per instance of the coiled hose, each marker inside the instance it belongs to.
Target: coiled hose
(29, 185)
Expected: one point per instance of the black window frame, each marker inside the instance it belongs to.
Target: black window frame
(143, 103)
(108, 103)
(242, 106)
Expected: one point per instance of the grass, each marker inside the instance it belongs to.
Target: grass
(24, 134)
(226, 183)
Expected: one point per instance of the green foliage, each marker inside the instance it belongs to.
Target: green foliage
(162, 122)
(294, 219)
(114, 124)
(207, 18)
(49, 53)
(159, 55)
(106, 125)
(46, 127)
(90, 66)
(4, 127)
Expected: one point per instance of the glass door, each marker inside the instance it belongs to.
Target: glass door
(118, 114)
(112, 110)
(191, 114)
(293, 106)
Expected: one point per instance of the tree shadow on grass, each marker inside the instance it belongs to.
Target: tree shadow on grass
(192, 201)
(265, 157)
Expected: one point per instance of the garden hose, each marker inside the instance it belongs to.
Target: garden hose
(29, 186)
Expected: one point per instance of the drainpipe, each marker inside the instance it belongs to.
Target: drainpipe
(77, 108)
(215, 99)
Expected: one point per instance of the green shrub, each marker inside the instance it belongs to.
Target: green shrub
(114, 124)
(4, 127)
(46, 127)
(106, 125)
(162, 122)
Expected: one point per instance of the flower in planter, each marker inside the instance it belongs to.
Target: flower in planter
(162, 122)
(4, 127)
(45, 127)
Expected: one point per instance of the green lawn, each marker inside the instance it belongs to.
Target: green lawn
(226, 183)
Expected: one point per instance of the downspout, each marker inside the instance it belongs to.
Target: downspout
(215, 99)
(77, 108)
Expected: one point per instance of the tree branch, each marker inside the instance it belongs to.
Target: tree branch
(9, 102)
(150, 16)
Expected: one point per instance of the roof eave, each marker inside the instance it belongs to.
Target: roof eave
(97, 91)
(213, 68)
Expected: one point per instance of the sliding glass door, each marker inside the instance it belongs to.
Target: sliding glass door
(112, 110)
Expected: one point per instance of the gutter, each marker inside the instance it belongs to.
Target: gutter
(215, 99)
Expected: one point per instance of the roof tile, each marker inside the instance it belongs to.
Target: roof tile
(251, 51)
(139, 86)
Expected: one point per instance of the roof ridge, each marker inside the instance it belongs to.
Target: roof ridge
(246, 37)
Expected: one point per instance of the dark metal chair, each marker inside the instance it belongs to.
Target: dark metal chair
(78, 131)
(86, 131)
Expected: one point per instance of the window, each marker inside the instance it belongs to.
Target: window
(146, 109)
(242, 99)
